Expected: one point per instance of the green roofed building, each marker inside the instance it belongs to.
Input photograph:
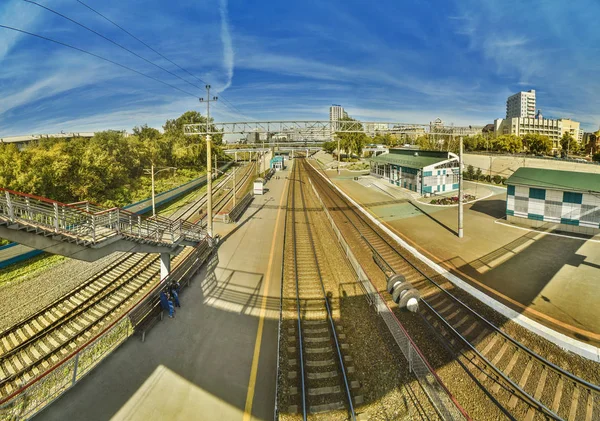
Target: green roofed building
(567, 198)
(424, 172)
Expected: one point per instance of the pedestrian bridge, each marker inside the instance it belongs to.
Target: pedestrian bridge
(86, 231)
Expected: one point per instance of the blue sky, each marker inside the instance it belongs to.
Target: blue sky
(406, 61)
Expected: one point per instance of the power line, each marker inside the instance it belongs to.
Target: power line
(227, 103)
(111, 41)
(98, 56)
(139, 40)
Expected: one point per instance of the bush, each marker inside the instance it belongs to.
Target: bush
(497, 179)
(596, 157)
(488, 178)
(503, 180)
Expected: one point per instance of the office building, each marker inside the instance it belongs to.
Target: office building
(554, 129)
(521, 105)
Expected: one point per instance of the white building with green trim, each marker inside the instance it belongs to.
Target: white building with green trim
(424, 172)
(568, 200)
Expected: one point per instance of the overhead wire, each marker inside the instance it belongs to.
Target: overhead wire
(111, 41)
(99, 57)
(227, 102)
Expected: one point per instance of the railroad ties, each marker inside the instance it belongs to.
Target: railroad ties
(522, 384)
(319, 368)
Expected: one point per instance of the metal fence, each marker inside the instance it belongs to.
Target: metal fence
(90, 224)
(42, 390)
(441, 398)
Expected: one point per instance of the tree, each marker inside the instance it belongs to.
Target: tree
(537, 144)
(478, 174)
(470, 173)
(509, 143)
(596, 157)
(329, 147)
(567, 143)
(351, 142)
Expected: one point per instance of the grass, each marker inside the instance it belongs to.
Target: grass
(28, 268)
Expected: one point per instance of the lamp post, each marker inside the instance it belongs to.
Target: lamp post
(151, 172)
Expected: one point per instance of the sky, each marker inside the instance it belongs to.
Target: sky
(407, 61)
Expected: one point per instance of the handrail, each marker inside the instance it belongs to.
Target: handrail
(84, 223)
(80, 348)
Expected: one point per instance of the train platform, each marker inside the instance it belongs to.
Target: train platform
(217, 359)
(551, 279)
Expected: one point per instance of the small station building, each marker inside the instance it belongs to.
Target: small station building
(424, 172)
(277, 163)
(570, 199)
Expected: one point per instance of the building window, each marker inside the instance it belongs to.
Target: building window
(570, 197)
(537, 194)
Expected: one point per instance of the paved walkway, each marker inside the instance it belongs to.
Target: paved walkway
(551, 279)
(217, 359)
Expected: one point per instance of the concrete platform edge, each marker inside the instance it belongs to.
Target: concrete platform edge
(563, 341)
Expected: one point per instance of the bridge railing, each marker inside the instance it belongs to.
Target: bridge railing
(35, 394)
(91, 223)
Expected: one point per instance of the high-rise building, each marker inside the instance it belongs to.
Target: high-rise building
(336, 112)
(521, 105)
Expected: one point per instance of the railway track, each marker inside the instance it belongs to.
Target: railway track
(190, 211)
(521, 383)
(323, 385)
(43, 339)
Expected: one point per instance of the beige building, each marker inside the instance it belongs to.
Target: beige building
(554, 129)
(572, 127)
(521, 104)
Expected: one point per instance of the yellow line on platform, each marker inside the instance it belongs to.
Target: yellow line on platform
(261, 320)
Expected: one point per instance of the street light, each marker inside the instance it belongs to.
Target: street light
(153, 173)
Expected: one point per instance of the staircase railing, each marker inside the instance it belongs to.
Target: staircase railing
(91, 224)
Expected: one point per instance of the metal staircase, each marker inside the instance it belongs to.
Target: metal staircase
(46, 224)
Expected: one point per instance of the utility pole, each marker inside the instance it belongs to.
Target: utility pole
(152, 173)
(460, 188)
(338, 154)
(234, 192)
(209, 218)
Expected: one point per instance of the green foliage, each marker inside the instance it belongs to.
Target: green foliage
(470, 173)
(538, 144)
(329, 147)
(497, 179)
(596, 157)
(108, 168)
(351, 143)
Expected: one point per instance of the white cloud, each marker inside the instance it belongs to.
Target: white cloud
(228, 55)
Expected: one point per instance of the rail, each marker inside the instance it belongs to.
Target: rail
(89, 224)
(512, 384)
(339, 355)
(439, 395)
(32, 397)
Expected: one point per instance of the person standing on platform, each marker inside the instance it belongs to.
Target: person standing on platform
(164, 302)
(175, 293)
(170, 304)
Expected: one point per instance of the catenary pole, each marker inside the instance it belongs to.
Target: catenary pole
(460, 188)
(209, 216)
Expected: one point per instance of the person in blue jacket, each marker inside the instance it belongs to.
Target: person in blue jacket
(165, 303)
(175, 293)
